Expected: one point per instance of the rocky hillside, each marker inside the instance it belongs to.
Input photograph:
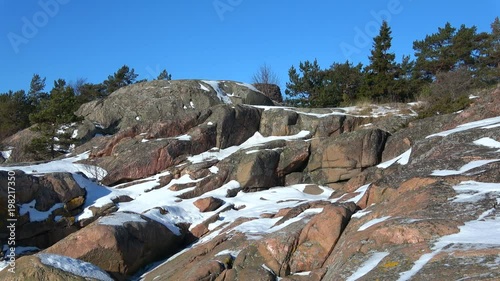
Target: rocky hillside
(207, 180)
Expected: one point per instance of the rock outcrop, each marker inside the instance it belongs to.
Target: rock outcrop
(265, 193)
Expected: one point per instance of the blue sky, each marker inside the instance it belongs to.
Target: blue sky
(209, 39)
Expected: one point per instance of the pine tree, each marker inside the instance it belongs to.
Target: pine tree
(164, 75)
(56, 111)
(36, 93)
(123, 77)
(380, 73)
(306, 89)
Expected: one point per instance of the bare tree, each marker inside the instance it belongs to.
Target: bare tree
(265, 75)
(267, 81)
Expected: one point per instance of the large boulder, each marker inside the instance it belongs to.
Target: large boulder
(146, 103)
(343, 157)
(121, 243)
(272, 91)
(46, 206)
(45, 267)
(320, 122)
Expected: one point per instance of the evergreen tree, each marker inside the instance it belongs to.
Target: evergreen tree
(489, 54)
(55, 112)
(343, 81)
(381, 72)
(305, 89)
(14, 110)
(164, 75)
(36, 93)
(123, 77)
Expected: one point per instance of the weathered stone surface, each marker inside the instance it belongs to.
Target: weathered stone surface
(258, 170)
(121, 243)
(30, 268)
(343, 157)
(293, 158)
(159, 100)
(58, 193)
(271, 91)
(208, 204)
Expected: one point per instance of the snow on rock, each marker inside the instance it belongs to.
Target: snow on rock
(36, 215)
(204, 88)
(488, 142)
(233, 253)
(220, 93)
(481, 233)
(256, 140)
(6, 154)
(120, 218)
(402, 159)
(214, 169)
(184, 138)
(368, 265)
(467, 167)
(64, 165)
(373, 222)
(361, 192)
(249, 86)
(74, 266)
(488, 123)
(472, 191)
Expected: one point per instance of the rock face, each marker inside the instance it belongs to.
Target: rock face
(262, 193)
(46, 206)
(121, 243)
(341, 158)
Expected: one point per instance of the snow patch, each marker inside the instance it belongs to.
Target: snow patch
(361, 191)
(36, 215)
(360, 214)
(74, 266)
(472, 191)
(467, 167)
(214, 169)
(402, 159)
(256, 140)
(233, 253)
(368, 265)
(120, 218)
(482, 233)
(220, 93)
(373, 222)
(204, 88)
(484, 124)
(488, 142)
(6, 154)
(184, 138)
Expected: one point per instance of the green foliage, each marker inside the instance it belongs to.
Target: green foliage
(14, 110)
(379, 82)
(164, 75)
(55, 112)
(450, 93)
(316, 87)
(123, 77)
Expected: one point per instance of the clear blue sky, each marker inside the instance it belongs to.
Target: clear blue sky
(209, 39)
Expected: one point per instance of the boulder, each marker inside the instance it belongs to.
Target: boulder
(208, 204)
(45, 267)
(46, 206)
(146, 103)
(120, 243)
(343, 157)
(271, 91)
